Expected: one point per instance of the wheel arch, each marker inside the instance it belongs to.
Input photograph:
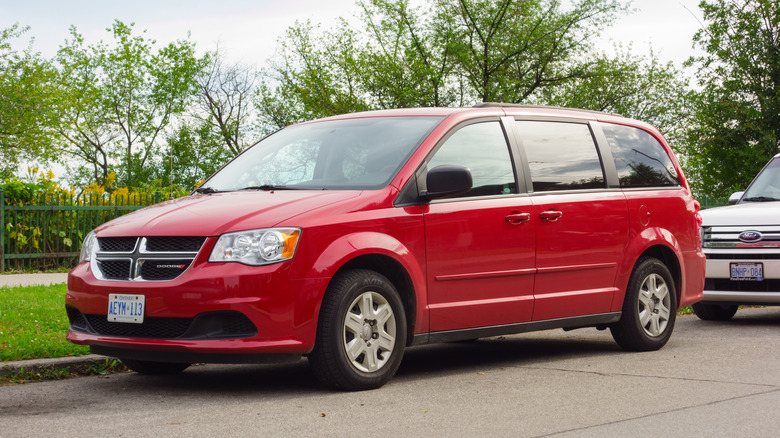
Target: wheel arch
(668, 258)
(397, 274)
(656, 243)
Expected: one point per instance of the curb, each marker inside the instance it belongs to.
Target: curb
(35, 365)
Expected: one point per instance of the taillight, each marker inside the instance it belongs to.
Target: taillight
(696, 216)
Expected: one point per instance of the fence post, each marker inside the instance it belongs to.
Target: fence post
(2, 230)
(157, 197)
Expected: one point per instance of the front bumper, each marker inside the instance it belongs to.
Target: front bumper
(719, 288)
(275, 314)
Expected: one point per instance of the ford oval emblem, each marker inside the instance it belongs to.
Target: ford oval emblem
(750, 236)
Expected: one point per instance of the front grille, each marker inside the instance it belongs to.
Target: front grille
(160, 270)
(157, 328)
(174, 244)
(724, 284)
(749, 256)
(117, 244)
(115, 269)
(144, 258)
(728, 237)
(209, 325)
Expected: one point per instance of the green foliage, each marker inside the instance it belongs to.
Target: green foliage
(445, 54)
(736, 120)
(27, 97)
(40, 217)
(120, 98)
(638, 87)
(33, 324)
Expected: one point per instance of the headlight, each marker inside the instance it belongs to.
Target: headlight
(256, 247)
(87, 246)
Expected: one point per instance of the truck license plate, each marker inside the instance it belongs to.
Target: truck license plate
(126, 308)
(747, 271)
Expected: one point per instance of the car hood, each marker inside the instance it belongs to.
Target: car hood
(218, 213)
(746, 214)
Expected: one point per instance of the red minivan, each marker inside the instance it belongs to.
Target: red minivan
(350, 238)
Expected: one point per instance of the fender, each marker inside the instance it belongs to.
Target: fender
(348, 247)
(647, 238)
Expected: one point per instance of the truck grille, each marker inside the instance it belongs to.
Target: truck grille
(144, 258)
(741, 237)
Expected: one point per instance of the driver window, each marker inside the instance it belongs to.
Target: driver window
(483, 149)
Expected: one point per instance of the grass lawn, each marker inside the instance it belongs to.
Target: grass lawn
(33, 324)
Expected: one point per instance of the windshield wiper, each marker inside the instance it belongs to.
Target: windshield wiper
(267, 187)
(761, 199)
(205, 190)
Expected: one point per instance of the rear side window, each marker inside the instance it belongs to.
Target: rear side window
(640, 159)
(561, 156)
(483, 149)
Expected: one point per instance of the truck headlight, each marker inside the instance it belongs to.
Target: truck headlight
(256, 247)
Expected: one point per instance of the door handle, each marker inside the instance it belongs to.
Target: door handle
(550, 215)
(515, 218)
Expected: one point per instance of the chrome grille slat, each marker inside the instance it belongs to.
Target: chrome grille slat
(728, 237)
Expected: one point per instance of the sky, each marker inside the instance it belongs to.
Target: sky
(246, 31)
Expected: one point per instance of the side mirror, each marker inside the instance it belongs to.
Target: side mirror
(447, 180)
(735, 197)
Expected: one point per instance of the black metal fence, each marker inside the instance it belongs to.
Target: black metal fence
(46, 232)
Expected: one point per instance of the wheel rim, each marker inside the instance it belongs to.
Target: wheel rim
(369, 332)
(654, 305)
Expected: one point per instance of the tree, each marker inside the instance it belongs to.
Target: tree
(194, 151)
(120, 99)
(510, 49)
(451, 53)
(27, 96)
(225, 94)
(634, 86)
(736, 121)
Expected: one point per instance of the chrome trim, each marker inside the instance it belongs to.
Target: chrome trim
(739, 297)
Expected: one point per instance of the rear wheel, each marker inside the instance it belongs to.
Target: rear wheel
(361, 332)
(649, 308)
(154, 368)
(715, 312)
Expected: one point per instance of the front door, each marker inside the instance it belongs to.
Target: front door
(480, 245)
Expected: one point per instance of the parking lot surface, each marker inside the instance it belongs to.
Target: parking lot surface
(714, 379)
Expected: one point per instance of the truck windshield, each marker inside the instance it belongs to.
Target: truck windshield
(766, 186)
(356, 154)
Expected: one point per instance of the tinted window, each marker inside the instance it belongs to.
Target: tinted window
(640, 159)
(561, 156)
(482, 148)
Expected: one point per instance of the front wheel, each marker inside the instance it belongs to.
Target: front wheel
(361, 333)
(649, 308)
(715, 312)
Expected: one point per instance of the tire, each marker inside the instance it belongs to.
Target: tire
(154, 368)
(715, 312)
(649, 308)
(361, 332)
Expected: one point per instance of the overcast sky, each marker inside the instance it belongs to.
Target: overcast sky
(247, 30)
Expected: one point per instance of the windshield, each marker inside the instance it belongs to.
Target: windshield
(766, 186)
(358, 154)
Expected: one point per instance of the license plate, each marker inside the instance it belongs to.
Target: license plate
(126, 308)
(747, 271)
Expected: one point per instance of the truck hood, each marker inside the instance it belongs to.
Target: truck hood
(747, 214)
(218, 213)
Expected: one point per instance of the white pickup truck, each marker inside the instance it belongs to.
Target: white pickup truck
(742, 245)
